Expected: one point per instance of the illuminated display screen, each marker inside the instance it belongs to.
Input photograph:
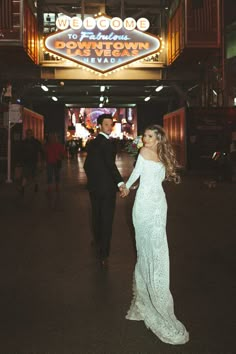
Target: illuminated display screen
(79, 122)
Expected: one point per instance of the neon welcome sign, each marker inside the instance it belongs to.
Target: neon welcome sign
(103, 44)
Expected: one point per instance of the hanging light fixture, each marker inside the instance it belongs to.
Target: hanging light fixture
(159, 88)
(44, 87)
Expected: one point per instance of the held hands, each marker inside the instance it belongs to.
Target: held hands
(124, 191)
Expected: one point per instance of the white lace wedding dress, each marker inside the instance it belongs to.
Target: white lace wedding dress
(152, 300)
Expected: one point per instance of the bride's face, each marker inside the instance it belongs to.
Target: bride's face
(149, 139)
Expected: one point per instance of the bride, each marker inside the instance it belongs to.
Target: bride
(152, 300)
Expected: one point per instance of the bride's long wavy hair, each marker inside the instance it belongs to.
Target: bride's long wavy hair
(165, 153)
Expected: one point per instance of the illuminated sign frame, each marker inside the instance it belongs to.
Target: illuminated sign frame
(103, 44)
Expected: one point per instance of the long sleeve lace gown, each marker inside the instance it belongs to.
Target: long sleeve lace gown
(152, 300)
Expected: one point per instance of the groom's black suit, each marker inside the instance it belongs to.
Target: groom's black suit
(103, 177)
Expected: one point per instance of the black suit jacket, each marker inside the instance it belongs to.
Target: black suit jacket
(100, 168)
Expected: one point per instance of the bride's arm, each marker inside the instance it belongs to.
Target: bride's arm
(136, 172)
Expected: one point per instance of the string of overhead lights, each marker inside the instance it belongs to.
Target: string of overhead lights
(46, 89)
(157, 89)
(103, 100)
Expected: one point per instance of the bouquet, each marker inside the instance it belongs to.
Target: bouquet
(133, 146)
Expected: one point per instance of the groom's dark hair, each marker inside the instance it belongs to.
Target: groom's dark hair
(102, 117)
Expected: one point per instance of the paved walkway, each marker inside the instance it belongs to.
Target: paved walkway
(54, 299)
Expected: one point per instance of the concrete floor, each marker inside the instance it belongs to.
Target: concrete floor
(55, 299)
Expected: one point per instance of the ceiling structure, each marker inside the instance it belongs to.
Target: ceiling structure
(87, 93)
(90, 93)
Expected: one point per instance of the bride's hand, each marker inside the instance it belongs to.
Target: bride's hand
(124, 192)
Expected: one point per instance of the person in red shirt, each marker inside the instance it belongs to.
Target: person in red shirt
(54, 153)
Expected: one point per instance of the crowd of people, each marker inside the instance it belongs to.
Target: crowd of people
(32, 156)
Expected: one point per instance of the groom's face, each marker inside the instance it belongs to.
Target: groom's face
(107, 126)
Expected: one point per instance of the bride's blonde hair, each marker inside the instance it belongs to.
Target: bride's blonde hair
(165, 153)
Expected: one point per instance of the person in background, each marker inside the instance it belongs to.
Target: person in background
(152, 300)
(54, 154)
(73, 146)
(30, 158)
(104, 180)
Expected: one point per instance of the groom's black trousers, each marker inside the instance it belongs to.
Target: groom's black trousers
(103, 208)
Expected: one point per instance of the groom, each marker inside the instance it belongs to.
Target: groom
(104, 180)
